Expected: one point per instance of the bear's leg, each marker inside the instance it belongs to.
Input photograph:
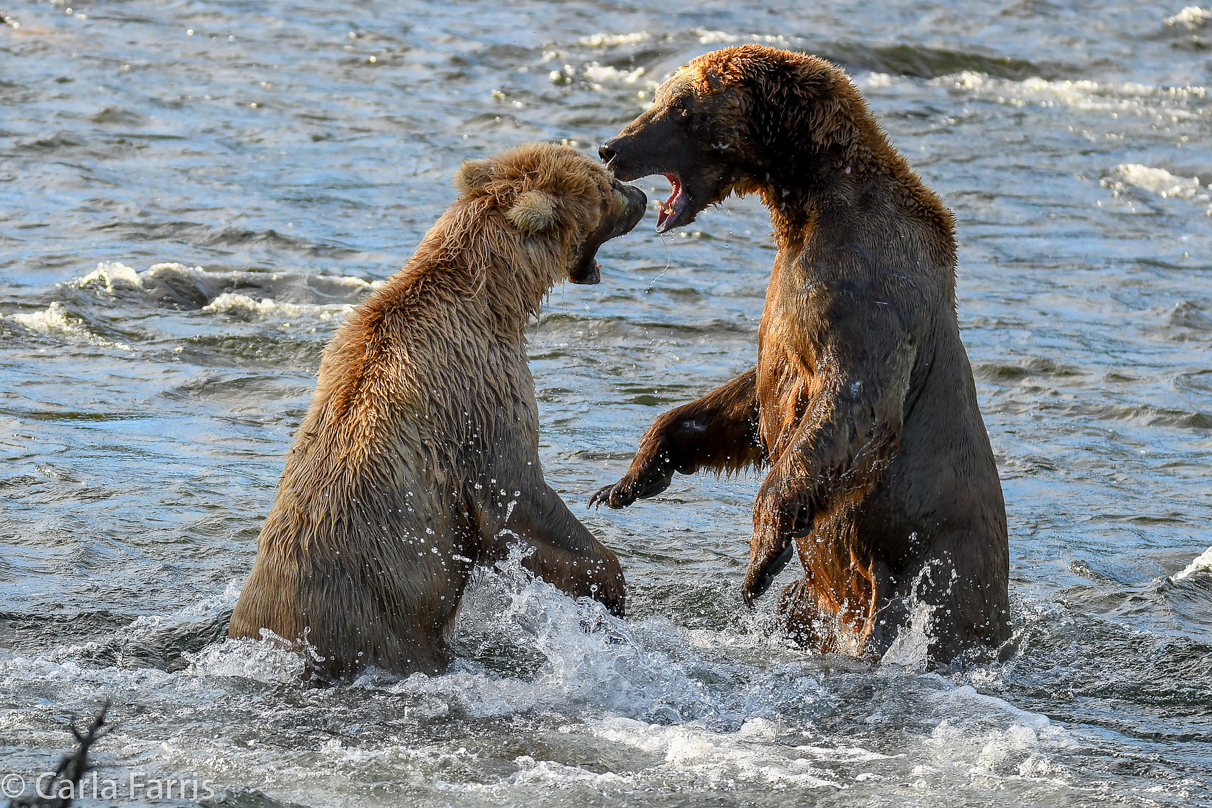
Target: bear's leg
(780, 516)
(966, 601)
(798, 616)
(717, 432)
(566, 554)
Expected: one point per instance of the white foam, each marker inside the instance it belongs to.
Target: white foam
(110, 276)
(875, 80)
(589, 656)
(288, 294)
(1158, 181)
(150, 630)
(1163, 103)
(1018, 749)
(985, 736)
(51, 320)
(56, 321)
(603, 73)
(532, 772)
(430, 757)
(707, 37)
(620, 689)
(247, 306)
(144, 627)
(16, 669)
(579, 659)
(967, 700)
(244, 304)
(1201, 564)
(114, 277)
(715, 758)
(266, 660)
(1190, 17)
(613, 40)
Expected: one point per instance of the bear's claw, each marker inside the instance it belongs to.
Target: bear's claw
(617, 495)
(763, 572)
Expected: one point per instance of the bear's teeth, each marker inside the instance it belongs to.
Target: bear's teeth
(673, 205)
(672, 208)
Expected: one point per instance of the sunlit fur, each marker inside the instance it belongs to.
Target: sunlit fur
(418, 458)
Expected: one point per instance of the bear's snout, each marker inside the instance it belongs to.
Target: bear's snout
(637, 203)
(607, 152)
(621, 219)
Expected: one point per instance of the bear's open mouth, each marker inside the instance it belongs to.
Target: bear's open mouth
(584, 267)
(674, 207)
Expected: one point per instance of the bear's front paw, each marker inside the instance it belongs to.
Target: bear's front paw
(779, 517)
(631, 488)
(617, 495)
(763, 570)
(603, 496)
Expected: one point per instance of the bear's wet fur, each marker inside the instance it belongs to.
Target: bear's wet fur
(418, 459)
(862, 402)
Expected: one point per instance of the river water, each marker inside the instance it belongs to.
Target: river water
(194, 194)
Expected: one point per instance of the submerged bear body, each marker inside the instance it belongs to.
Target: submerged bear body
(862, 403)
(418, 459)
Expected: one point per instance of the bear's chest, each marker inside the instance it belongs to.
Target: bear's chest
(792, 345)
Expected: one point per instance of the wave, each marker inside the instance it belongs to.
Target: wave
(1028, 368)
(58, 321)
(917, 61)
(197, 234)
(243, 294)
(1201, 565)
(162, 641)
(1148, 415)
(1169, 104)
(1190, 18)
(245, 306)
(921, 62)
(1156, 182)
(613, 40)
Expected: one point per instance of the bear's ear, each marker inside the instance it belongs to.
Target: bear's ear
(533, 212)
(472, 175)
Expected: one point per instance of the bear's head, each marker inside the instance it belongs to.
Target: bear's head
(741, 120)
(558, 195)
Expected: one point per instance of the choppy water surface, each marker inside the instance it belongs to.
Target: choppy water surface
(192, 196)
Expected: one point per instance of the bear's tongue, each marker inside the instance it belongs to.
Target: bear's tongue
(674, 206)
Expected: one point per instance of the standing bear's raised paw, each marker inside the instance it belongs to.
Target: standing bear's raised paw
(652, 479)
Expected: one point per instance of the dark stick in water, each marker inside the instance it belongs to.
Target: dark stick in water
(72, 768)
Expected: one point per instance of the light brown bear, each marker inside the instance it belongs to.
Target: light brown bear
(862, 402)
(418, 459)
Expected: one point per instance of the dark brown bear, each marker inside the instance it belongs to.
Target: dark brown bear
(862, 402)
(419, 457)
